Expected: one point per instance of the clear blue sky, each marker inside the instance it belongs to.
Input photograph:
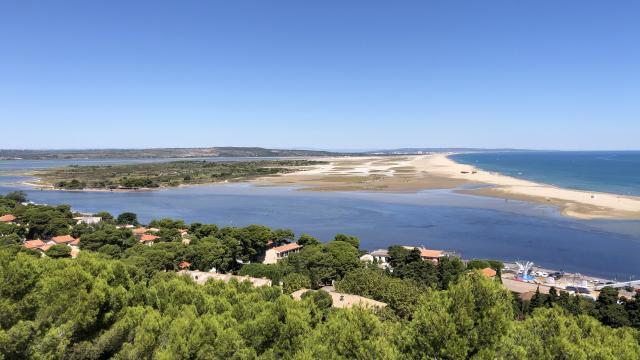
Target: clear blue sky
(320, 74)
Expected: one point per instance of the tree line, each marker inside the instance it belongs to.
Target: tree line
(121, 299)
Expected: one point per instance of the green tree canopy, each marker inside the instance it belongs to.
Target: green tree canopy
(59, 251)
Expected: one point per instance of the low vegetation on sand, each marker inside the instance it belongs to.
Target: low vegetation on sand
(163, 174)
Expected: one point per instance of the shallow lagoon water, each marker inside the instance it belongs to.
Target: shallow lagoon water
(475, 227)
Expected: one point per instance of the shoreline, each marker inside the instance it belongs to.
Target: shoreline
(413, 173)
(407, 174)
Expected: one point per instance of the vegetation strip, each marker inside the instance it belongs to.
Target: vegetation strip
(163, 174)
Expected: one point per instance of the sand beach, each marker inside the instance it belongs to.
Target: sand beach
(438, 171)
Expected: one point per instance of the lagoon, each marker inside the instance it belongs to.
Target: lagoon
(475, 227)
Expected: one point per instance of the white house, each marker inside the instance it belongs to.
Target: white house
(274, 254)
(89, 220)
(380, 257)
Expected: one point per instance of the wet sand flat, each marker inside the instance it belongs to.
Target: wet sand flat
(438, 171)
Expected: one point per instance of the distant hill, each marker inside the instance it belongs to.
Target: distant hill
(158, 153)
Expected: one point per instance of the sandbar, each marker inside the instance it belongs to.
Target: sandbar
(413, 173)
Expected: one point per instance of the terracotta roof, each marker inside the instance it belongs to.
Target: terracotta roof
(488, 272)
(184, 264)
(140, 230)
(63, 239)
(145, 238)
(7, 218)
(33, 244)
(287, 247)
(430, 253)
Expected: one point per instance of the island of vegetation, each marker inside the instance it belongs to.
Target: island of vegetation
(119, 297)
(157, 153)
(162, 174)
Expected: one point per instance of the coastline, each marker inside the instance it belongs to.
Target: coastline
(438, 171)
(413, 173)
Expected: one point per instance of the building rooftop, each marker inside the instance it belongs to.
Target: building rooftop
(488, 272)
(146, 238)
(287, 247)
(64, 239)
(33, 244)
(379, 252)
(140, 230)
(7, 218)
(426, 253)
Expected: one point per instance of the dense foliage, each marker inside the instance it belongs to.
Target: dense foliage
(124, 300)
(152, 175)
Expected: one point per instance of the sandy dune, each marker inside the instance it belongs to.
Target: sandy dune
(437, 171)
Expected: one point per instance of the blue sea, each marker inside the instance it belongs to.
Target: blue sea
(602, 171)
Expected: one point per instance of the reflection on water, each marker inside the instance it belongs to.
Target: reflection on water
(477, 227)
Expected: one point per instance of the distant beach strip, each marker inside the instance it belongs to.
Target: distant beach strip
(439, 171)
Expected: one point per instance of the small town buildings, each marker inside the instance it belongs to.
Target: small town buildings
(43, 247)
(7, 218)
(140, 231)
(38, 245)
(431, 255)
(277, 253)
(380, 257)
(89, 220)
(366, 258)
(186, 238)
(33, 244)
(65, 239)
(202, 277)
(428, 254)
(342, 300)
(68, 240)
(148, 239)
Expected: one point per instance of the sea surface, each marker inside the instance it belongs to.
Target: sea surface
(474, 226)
(602, 171)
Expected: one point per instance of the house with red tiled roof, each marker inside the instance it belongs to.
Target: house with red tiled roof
(139, 231)
(7, 218)
(148, 239)
(68, 240)
(428, 254)
(277, 253)
(33, 244)
(65, 239)
(38, 245)
(431, 255)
